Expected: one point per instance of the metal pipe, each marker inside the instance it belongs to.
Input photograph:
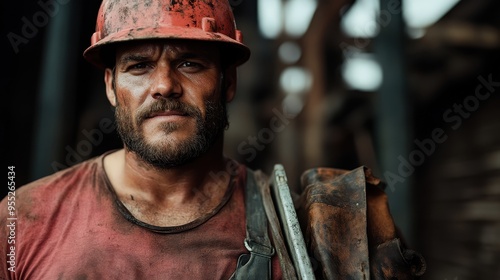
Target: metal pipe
(55, 106)
(393, 116)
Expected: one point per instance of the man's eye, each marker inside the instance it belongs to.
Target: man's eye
(190, 64)
(139, 66)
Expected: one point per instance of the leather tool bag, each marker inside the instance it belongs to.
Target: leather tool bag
(349, 230)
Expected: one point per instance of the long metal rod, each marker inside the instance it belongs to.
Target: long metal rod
(291, 226)
(57, 77)
(393, 117)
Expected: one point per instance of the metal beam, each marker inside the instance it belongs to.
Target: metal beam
(393, 116)
(55, 97)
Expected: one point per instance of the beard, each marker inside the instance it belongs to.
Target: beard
(170, 154)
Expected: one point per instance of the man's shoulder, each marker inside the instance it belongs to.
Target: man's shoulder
(66, 177)
(58, 186)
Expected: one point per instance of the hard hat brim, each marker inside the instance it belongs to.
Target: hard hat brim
(238, 53)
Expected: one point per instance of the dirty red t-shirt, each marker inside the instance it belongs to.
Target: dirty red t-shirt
(70, 226)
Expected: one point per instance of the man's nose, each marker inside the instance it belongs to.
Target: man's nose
(165, 83)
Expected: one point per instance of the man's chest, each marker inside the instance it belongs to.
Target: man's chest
(108, 246)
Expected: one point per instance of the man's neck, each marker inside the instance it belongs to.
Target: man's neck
(167, 197)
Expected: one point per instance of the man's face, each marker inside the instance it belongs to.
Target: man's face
(170, 106)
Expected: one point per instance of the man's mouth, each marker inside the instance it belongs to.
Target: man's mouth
(167, 113)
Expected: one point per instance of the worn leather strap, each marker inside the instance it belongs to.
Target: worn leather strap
(257, 265)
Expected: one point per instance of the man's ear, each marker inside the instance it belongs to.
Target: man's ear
(110, 88)
(230, 82)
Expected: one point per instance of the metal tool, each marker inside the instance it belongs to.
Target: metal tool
(290, 223)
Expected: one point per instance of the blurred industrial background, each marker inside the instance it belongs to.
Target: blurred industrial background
(409, 88)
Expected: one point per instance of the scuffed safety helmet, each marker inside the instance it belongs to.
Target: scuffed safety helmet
(128, 20)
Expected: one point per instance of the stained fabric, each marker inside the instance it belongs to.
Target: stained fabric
(69, 226)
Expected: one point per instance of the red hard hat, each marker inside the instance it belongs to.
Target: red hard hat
(127, 20)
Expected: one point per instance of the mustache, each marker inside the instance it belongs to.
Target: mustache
(162, 105)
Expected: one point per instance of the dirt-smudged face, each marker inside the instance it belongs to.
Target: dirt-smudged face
(169, 98)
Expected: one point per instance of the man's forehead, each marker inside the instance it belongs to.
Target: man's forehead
(148, 48)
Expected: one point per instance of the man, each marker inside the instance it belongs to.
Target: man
(158, 208)
(169, 205)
